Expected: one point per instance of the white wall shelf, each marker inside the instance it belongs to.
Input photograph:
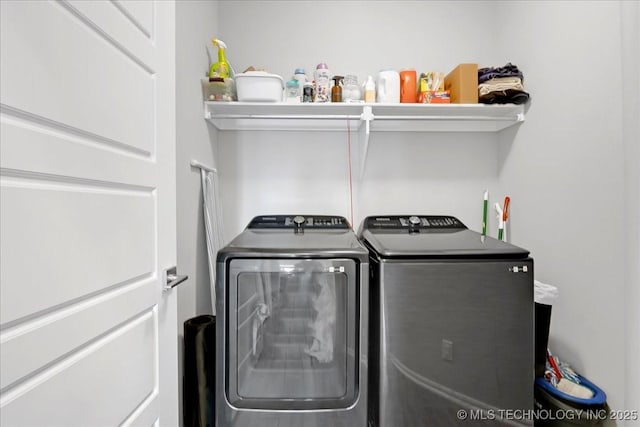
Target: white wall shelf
(383, 117)
(375, 117)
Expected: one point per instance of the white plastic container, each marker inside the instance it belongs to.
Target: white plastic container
(259, 86)
(388, 87)
(351, 91)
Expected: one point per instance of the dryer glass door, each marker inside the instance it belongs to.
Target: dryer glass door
(292, 333)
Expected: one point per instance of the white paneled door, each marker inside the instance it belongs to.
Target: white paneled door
(87, 335)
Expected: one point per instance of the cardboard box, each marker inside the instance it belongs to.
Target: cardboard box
(434, 97)
(462, 84)
(439, 97)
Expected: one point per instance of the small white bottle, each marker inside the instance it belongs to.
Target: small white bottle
(370, 90)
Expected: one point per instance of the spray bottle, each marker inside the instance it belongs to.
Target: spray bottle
(222, 67)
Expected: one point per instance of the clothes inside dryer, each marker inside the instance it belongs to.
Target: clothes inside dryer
(289, 342)
(291, 337)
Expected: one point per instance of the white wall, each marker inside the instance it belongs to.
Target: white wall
(195, 25)
(564, 168)
(356, 37)
(630, 12)
(293, 172)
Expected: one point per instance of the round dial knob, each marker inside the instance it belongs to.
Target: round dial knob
(298, 220)
(414, 220)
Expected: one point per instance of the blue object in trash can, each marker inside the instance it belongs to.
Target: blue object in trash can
(599, 397)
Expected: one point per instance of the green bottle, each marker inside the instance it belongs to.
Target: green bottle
(220, 68)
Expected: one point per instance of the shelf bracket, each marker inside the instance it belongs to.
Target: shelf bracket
(367, 117)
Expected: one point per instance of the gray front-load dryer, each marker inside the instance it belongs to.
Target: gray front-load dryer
(292, 306)
(451, 331)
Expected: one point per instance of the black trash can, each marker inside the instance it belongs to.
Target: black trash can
(199, 371)
(544, 296)
(542, 316)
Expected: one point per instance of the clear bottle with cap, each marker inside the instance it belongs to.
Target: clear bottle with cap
(370, 90)
(292, 92)
(301, 77)
(351, 90)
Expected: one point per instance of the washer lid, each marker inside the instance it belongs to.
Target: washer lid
(297, 235)
(430, 236)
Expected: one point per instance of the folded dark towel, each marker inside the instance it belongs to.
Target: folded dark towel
(509, 96)
(509, 70)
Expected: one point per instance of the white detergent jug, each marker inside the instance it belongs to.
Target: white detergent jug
(388, 86)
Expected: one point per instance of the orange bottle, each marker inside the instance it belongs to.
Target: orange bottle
(408, 89)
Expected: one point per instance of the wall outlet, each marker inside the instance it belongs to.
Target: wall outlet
(447, 350)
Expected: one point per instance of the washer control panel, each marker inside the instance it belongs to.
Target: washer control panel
(309, 222)
(413, 222)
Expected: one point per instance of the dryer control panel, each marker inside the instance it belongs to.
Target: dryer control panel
(309, 222)
(413, 223)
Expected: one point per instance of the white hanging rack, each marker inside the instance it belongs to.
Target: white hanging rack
(197, 164)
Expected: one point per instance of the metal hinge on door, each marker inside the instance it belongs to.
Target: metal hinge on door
(172, 279)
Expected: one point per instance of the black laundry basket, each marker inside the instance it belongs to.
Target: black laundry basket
(199, 371)
(554, 408)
